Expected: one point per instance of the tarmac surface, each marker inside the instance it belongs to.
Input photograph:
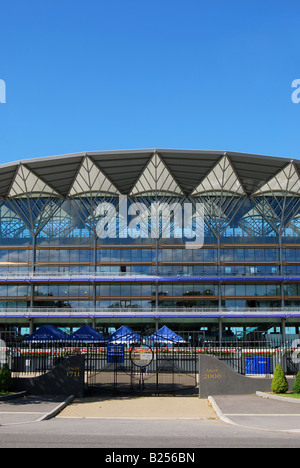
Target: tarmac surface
(261, 412)
(27, 409)
(252, 411)
(247, 411)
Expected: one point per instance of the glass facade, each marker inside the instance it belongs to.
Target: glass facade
(55, 255)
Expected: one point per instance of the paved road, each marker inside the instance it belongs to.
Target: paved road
(259, 413)
(30, 409)
(133, 434)
(254, 423)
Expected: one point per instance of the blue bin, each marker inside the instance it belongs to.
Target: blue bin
(257, 365)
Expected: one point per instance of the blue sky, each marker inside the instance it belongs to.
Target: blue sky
(124, 74)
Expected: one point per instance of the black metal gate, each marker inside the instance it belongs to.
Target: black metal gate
(170, 370)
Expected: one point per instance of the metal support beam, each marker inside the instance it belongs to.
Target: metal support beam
(31, 324)
(220, 329)
(283, 321)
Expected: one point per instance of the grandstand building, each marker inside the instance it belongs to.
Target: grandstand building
(74, 249)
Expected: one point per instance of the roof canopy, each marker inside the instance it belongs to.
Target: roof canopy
(135, 172)
(124, 334)
(86, 334)
(165, 335)
(47, 333)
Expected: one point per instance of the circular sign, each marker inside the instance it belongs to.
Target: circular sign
(141, 356)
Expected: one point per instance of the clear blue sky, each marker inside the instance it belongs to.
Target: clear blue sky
(87, 75)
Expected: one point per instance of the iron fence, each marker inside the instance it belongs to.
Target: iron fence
(170, 367)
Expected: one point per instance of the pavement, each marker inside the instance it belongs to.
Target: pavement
(259, 411)
(158, 407)
(27, 409)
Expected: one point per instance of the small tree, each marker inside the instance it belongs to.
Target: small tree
(296, 387)
(279, 383)
(5, 379)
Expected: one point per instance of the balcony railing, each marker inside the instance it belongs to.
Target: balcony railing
(155, 312)
(119, 275)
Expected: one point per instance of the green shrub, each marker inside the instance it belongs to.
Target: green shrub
(296, 387)
(5, 379)
(279, 383)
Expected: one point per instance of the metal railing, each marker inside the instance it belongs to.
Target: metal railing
(244, 357)
(257, 357)
(71, 274)
(154, 312)
(100, 274)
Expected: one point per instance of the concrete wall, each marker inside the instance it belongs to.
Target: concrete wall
(216, 378)
(67, 378)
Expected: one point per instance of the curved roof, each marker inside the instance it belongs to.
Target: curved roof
(133, 172)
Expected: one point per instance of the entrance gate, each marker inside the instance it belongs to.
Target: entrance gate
(141, 369)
